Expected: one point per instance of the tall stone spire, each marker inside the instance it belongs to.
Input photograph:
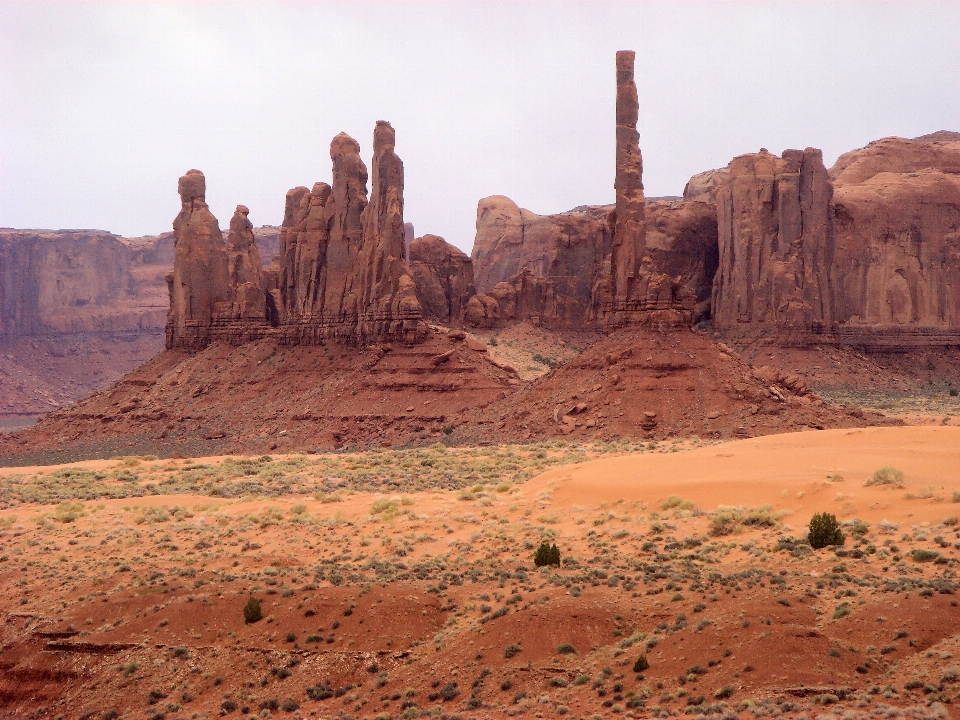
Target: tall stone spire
(629, 233)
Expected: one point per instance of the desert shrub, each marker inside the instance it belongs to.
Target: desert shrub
(641, 664)
(511, 650)
(320, 691)
(228, 705)
(824, 531)
(252, 612)
(887, 475)
(675, 501)
(728, 520)
(566, 649)
(843, 609)
(547, 555)
(921, 555)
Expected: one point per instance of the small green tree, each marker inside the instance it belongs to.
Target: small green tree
(252, 611)
(641, 664)
(824, 531)
(546, 555)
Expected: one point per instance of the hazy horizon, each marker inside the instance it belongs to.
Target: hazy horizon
(104, 105)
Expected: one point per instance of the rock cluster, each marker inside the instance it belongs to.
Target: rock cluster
(339, 273)
(443, 275)
(776, 245)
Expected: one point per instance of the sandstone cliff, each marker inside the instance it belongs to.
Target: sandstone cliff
(897, 221)
(776, 245)
(443, 275)
(541, 267)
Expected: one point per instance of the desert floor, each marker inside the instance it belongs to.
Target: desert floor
(401, 583)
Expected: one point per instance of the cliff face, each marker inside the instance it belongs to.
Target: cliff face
(541, 267)
(339, 273)
(79, 310)
(443, 275)
(775, 231)
(69, 281)
(897, 221)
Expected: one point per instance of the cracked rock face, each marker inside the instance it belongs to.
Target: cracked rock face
(775, 229)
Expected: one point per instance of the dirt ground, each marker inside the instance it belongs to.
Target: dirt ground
(401, 583)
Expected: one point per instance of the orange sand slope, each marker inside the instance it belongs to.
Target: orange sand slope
(791, 472)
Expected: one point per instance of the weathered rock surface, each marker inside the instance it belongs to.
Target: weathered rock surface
(200, 290)
(776, 245)
(703, 186)
(636, 291)
(339, 273)
(443, 275)
(545, 268)
(245, 268)
(682, 242)
(897, 221)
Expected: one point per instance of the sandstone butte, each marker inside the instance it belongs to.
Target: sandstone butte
(862, 255)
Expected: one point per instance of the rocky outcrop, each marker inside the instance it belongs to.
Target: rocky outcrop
(443, 275)
(776, 240)
(682, 242)
(339, 273)
(199, 285)
(629, 236)
(545, 268)
(636, 292)
(245, 268)
(703, 186)
(897, 222)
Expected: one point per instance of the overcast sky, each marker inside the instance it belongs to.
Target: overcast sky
(104, 105)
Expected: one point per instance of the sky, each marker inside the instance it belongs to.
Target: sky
(103, 105)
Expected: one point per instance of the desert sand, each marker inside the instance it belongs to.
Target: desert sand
(402, 583)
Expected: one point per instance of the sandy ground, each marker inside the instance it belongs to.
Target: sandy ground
(397, 603)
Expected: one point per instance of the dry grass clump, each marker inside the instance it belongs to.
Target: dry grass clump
(729, 520)
(888, 476)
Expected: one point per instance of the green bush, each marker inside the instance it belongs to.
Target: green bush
(547, 555)
(641, 664)
(824, 531)
(252, 611)
(566, 649)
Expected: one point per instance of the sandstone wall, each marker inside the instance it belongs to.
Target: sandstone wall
(897, 221)
(775, 233)
(545, 268)
(443, 275)
(80, 281)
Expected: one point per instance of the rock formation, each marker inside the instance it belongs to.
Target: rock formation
(682, 242)
(897, 221)
(629, 236)
(245, 268)
(443, 275)
(200, 289)
(703, 186)
(538, 267)
(339, 273)
(636, 292)
(776, 245)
